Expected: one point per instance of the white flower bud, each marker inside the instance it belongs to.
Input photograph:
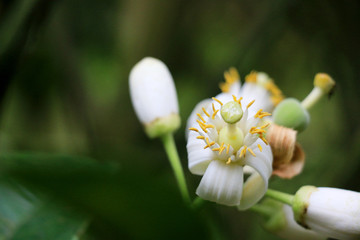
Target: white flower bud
(282, 224)
(329, 211)
(154, 98)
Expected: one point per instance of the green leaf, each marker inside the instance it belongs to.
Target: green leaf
(23, 216)
(123, 202)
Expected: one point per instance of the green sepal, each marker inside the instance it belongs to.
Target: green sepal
(163, 125)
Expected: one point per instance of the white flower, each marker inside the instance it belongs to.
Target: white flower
(153, 95)
(228, 135)
(329, 211)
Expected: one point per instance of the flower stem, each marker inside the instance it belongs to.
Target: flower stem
(280, 196)
(170, 148)
(197, 203)
(263, 210)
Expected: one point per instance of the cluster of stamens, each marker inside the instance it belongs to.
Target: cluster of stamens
(275, 93)
(260, 131)
(231, 77)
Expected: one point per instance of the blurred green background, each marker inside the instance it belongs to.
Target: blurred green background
(75, 162)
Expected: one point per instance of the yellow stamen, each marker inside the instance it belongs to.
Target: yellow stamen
(214, 114)
(200, 137)
(227, 149)
(194, 129)
(276, 94)
(250, 103)
(264, 140)
(213, 107)
(255, 130)
(234, 74)
(261, 114)
(251, 151)
(251, 77)
(265, 126)
(243, 152)
(264, 114)
(239, 101)
(206, 113)
(215, 149)
(209, 144)
(221, 148)
(260, 148)
(202, 126)
(218, 101)
(224, 87)
(258, 113)
(234, 98)
(202, 119)
(209, 126)
(228, 161)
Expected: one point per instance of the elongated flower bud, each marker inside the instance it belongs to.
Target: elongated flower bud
(282, 223)
(153, 95)
(329, 211)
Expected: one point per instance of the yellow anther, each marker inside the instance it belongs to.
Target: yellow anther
(202, 119)
(202, 125)
(227, 149)
(251, 151)
(243, 152)
(234, 98)
(254, 130)
(218, 101)
(222, 148)
(259, 131)
(250, 103)
(200, 137)
(214, 114)
(276, 94)
(251, 77)
(206, 113)
(261, 114)
(207, 143)
(213, 107)
(194, 129)
(215, 149)
(234, 74)
(209, 126)
(228, 161)
(224, 87)
(265, 125)
(260, 148)
(264, 140)
(264, 114)
(258, 113)
(239, 100)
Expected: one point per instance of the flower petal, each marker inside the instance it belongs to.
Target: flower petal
(334, 213)
(257, 184)
(222, 183)
(199, 158)
(191, 122)
(251, 91)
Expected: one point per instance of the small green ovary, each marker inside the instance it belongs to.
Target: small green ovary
(232, 135)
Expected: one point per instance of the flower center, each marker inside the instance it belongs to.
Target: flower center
(232, 112)
(232, 135)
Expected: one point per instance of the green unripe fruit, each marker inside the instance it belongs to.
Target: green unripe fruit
(290, 113)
